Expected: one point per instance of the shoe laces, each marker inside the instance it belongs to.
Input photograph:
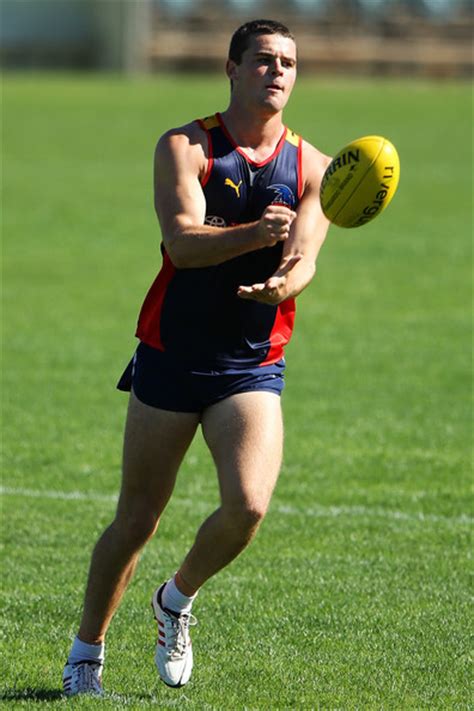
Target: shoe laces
(86, 677)
(179, 633)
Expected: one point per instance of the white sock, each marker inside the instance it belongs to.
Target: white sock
(84, 652)
(174, 600)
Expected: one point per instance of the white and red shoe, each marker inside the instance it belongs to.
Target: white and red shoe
(174, 652)
(83, 678)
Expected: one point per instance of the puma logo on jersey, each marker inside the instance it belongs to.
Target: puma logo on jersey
(235, 187)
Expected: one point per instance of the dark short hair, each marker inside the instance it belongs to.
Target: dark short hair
(241, 37)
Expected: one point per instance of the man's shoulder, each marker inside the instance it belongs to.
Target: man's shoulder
(189, 139)
(191, 130)
(189, 133)
(314, 164)
(313, 155)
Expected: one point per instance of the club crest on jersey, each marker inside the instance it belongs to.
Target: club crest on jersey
(214, 221)
(283, 194)
(232, 185)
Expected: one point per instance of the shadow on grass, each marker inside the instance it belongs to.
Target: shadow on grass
(31, 695)
(47, 695)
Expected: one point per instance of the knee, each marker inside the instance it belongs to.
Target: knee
(136, 525)
(244, 519)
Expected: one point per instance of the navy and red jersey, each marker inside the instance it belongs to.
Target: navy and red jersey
(194, 314)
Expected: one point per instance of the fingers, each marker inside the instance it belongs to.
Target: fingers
(280, 213)
(274, 290)
(275, 224)
(267, 293)
(246, 291)
(256, 295)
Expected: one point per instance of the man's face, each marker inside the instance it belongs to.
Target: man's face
(267, 73)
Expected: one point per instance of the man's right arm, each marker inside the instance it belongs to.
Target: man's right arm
(181, 206)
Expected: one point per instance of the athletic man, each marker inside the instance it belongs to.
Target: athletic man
(237, 198)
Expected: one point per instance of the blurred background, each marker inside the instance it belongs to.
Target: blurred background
(378, 37)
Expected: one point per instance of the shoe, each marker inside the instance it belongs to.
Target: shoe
(83, 678)
(174, 652)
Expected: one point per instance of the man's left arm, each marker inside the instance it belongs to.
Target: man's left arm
(300, 251)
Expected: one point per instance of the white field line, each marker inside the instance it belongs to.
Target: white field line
(374, 511)
(56, 494)
(283, 509)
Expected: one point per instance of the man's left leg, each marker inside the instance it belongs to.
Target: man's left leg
(245, 436)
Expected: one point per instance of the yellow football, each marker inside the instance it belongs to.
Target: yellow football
(360, 181)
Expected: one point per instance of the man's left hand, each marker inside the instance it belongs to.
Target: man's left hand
(275, 289)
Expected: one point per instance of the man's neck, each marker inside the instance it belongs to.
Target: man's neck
(256, 134)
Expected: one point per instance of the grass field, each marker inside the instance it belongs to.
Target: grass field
(355, 595)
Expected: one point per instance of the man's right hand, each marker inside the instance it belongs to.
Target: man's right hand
(274, 225)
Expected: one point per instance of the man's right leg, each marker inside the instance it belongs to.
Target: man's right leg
(154, 446)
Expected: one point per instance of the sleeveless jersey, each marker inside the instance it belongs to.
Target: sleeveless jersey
(195, 314)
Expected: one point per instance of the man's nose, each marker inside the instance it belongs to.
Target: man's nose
(277, 67)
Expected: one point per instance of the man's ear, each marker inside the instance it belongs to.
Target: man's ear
(232, 69)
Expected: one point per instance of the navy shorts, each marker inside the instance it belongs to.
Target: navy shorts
(159, 382)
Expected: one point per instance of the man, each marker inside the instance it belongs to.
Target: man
(237, 198)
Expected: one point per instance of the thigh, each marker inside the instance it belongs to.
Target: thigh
(245, 436)
(155, 443)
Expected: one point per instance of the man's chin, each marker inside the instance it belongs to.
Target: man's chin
(274, 104)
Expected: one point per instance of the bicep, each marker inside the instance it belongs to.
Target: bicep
(179, 199)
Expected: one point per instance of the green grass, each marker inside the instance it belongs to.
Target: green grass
(355, 594)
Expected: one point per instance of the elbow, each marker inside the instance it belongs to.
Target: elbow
(309, 269)
(176, 253)
(176, 259)
(183, 260)
(187, 253)
(307, 275)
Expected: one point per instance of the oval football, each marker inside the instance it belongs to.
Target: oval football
(360, 181)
